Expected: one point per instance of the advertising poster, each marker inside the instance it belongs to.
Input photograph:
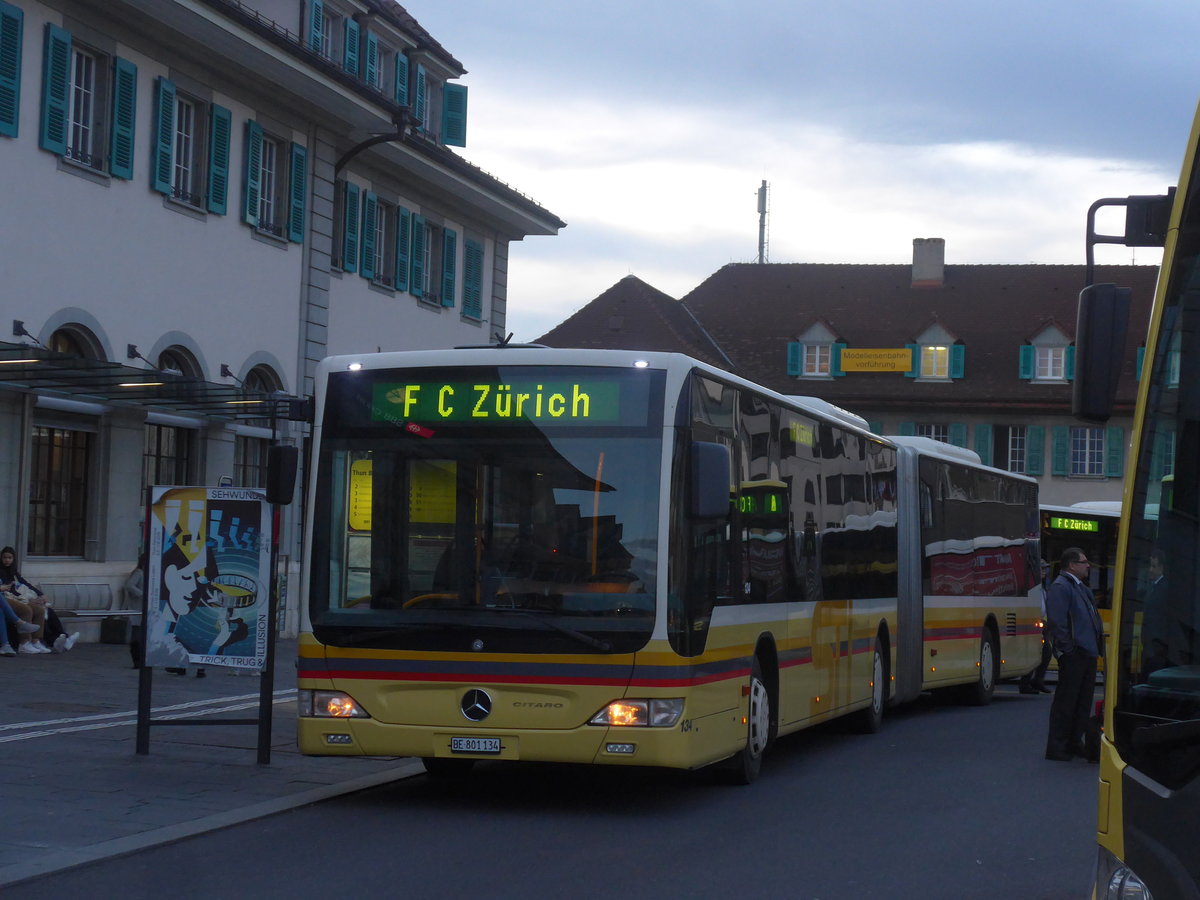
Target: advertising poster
(208, 581)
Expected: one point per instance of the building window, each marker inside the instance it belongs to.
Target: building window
(186, 177)
(85, 127)
(935, 361)
(167, 456)
(1087, 451)
(275, 184)
(270, 202)
(58, 489)
(1050, 363)
(1015, 449)
(937, 431)
(378, 240)
(427, 282)
(324, 35)
(189, 151)
(250, 461)
(817, 359)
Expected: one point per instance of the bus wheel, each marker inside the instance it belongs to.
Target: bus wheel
(746, 764)
(870, 720)
(980, 693)
(441, 767)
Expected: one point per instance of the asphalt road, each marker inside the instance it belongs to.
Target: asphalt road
(946, 802)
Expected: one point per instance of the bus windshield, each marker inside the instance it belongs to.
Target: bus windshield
(1157, 710)
(445, 521)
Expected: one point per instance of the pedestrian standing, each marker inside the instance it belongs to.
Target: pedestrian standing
(1077, 635)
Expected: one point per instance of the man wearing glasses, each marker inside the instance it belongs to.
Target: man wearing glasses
(1076, 635)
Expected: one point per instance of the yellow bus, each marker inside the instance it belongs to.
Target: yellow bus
(1149, 797)
(615, 558)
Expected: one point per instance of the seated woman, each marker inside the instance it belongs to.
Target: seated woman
(32, 608)
(14, 623)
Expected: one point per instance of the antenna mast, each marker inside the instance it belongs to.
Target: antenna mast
(762, 222)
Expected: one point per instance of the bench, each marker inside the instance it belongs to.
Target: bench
(85, 599)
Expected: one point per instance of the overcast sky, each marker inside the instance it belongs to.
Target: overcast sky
(648, 127)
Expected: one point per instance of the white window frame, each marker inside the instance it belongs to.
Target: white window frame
(189, 150)
(818, 360)
(1087, 451)
(1049, 362)
(427, 276)
(272, 182)
(938, 431)
(1017, 449)
(328, 21)
(85, 116)
(935, 361)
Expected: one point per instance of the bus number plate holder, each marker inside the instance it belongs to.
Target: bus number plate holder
(474, 745)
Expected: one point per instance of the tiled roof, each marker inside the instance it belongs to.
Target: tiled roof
(632, 315)
(753, 311)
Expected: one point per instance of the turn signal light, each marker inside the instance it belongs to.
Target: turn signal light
(640, 713)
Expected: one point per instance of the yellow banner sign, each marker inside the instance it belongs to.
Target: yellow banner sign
(889, 360)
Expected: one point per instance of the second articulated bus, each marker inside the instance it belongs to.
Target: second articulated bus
(622, 558)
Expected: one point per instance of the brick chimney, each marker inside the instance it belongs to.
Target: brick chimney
(929, 262)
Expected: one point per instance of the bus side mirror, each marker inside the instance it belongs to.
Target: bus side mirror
(1100, 327)
(708, 480)
(282, 462)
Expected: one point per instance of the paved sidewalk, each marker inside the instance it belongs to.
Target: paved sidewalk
(74, 790)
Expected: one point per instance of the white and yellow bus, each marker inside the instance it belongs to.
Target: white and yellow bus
(622, 558)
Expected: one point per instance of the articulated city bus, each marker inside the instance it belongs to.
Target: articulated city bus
(1149, 798)
(622, 558)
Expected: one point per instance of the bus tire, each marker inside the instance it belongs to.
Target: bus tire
(745, 765)
(980, 693)
(870, 719)
(441, 767)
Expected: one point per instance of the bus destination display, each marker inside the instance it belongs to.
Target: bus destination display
(1066, 524)
(512, 402)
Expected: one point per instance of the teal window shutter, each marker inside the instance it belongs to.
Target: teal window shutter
(795, 353)
(416, 283)
(983, 443)
(914, 368)
(1025, 363)
(454, 115)
(403, 242)
(957, 434)
(370, 206)
(370, 61)
(56, 88)
(12, 26)
(316, 23)
(473, 279)
(297, 193)
(958, 360)
(350, 46)
(908, 429)
(252, 173)
(350, 228)
(1114, 451)
(124, 114)
(401, 95)
(1070, 362)
(449, 265)
(221, 129)
(1060, 462)
(1035, 442)
(419, 88)
(162, 140)
(835, 360)
(1141, 358)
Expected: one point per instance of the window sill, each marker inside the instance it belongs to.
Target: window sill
(84, 171)
(382, 287)
(266, 236)
(184, 208)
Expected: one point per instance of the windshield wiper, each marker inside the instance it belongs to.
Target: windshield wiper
(603, 646)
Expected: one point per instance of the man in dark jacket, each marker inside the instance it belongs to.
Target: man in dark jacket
(1077, 636)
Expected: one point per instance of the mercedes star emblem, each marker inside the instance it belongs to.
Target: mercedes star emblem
(476, 705)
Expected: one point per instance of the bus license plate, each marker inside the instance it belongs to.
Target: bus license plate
(474, 745)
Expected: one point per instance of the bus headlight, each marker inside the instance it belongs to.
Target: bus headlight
(328, 705)
(641, 713)
(1116, 881)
